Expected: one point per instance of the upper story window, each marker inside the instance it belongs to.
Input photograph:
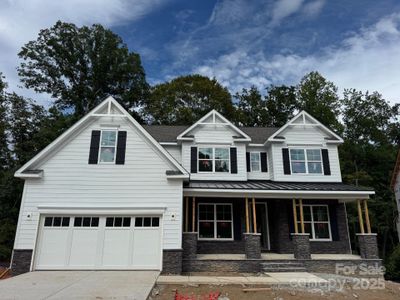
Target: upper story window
(213, 159)
(108, 145)
(255, 162)
(306, 161)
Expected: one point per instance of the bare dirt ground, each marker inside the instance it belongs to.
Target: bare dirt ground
(8, 275)
(390, 291)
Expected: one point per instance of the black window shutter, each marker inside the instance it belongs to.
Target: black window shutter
(333, 218)
(264, 165)
(193, 160)
(94, 147)
(286, 161)
(325, 162)
(121, 148)
(248, 161)
(234, 160)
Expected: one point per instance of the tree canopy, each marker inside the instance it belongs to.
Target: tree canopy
(80, 66)
(186, 99)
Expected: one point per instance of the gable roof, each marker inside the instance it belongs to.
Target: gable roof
(301, 120)
(169, 133)
(214, 115)
(109, 107)
(396, 171)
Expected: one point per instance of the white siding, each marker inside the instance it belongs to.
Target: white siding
(69, 179)
(259, 175)
(175, 151)
(311, 137)
(214, 136)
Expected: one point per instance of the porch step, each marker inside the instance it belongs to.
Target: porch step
(290, 266)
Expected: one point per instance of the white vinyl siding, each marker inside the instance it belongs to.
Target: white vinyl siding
(307, 137)
(69, 180)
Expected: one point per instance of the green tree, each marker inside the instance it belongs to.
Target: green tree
(80, 66)
(368, 118)
(186, 99)
(251, 110)
(281, 104)
(319, 97)
(4, 149)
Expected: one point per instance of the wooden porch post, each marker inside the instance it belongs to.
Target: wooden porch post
(247, 216)
(254, 216)
(193, 213)
(296, 226)
(186, 214)
(301, 216)
(367, 216)
(360, 217)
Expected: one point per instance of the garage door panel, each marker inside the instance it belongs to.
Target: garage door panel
(84, 247)
(146, 248)
(117, 246)
(99, 242)
(51, 254)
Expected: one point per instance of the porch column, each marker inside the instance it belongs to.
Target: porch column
(301, 241)
(189, 239)
(366, 241)
(252, 241)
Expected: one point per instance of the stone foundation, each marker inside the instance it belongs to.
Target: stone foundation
(301, 245)
(172, 262)
(348, 267)
(368, 246)
(252, 245)
(21, 261)
(189, 245)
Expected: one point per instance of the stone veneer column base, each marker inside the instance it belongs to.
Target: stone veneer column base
(172, 261)
(368, 245)
(21, 261)
(252, 245)
(189, 245)
(301, 245)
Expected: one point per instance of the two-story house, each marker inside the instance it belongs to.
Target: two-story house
(112, 194)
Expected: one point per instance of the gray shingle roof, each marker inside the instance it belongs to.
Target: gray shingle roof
(165, 133)
(274, 185)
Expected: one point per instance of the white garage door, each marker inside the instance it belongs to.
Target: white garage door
(99, 242)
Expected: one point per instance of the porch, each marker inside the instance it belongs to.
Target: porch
(245, 228)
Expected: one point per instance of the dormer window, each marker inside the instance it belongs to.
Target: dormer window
(306, 161)
(108, 145)
(213, 159)
(255, 162)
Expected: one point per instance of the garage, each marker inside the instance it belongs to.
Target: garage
(99, 242)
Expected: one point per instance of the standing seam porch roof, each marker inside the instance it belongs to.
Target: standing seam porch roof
(269, 185)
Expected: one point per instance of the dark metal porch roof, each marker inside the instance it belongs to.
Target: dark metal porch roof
(269, 185)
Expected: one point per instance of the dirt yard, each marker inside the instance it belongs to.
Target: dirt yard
(236, 292)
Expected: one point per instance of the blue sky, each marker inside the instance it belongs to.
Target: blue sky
(355, 44)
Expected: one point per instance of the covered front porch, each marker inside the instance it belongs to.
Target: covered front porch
(285, 225)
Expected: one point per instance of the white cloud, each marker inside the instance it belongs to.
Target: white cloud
(20, 22)
(313, 8)
(285, 8)
(366, 60)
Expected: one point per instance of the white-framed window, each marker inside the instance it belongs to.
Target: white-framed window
(316, 222)
(212, 159)
(255, 162)
(108, 146)
(215, 221)
(306, 161)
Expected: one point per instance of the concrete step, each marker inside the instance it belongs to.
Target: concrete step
(291, 266)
